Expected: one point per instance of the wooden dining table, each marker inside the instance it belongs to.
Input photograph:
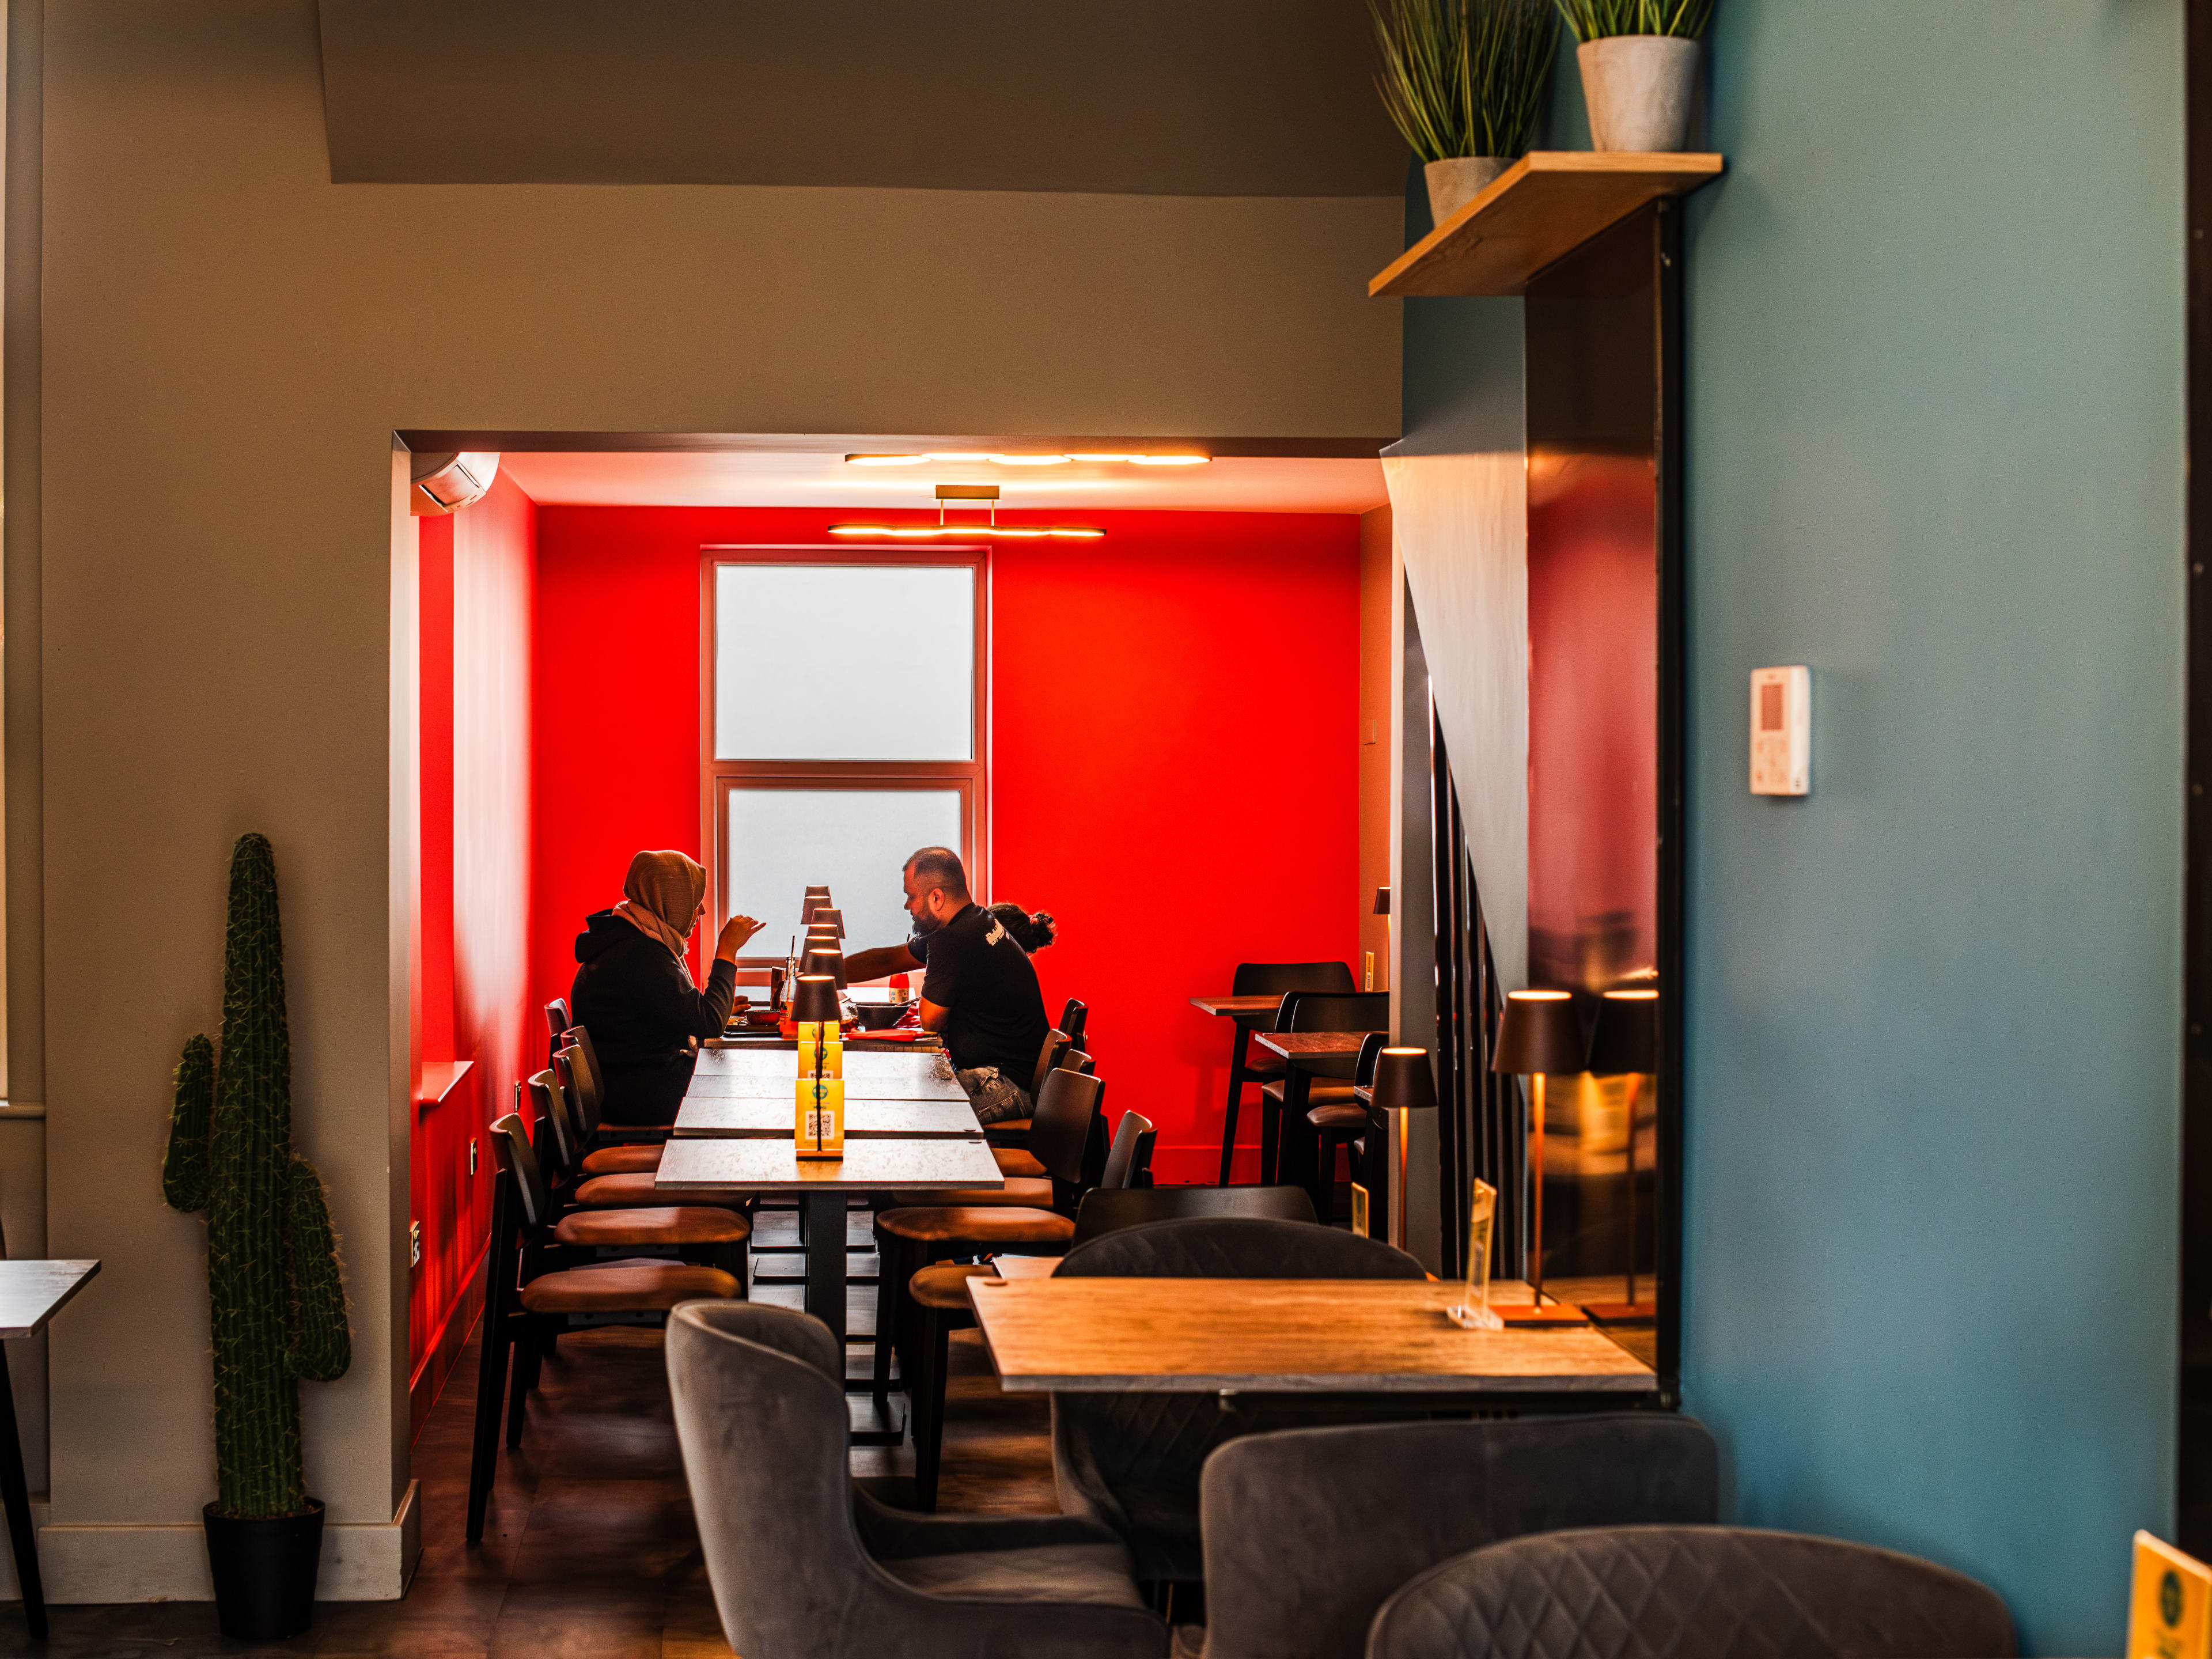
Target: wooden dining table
(1386, 1338)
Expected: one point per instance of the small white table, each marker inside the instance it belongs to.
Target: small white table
(702, 1164)
(768, 1117)
(31, 1293)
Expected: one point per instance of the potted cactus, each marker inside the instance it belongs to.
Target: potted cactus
(276, 1294)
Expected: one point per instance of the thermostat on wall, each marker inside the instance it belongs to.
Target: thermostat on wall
(1781, 731)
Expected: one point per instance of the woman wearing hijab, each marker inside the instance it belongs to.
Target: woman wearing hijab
(634, 991)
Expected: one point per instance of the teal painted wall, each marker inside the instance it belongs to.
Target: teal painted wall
(1933, 348)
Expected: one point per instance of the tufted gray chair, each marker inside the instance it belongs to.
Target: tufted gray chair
(1133, 1460)
(1689, 1592)
(805, 1567)
(1379, 1502)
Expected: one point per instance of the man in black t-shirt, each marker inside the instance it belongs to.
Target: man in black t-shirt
(979, 990)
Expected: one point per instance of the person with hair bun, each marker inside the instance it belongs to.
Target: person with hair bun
(979, 992)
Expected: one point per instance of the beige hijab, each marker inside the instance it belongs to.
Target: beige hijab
(659, 895)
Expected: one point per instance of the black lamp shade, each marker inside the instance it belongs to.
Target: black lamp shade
(815, 1002)
(1381, 901)
(817, 898)
(824, 916)
(1540, 1032)
(1627, 1037)
(817, 934)
(1403, 1081)
(823, 959)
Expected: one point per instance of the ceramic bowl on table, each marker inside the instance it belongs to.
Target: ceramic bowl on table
(880, 1015)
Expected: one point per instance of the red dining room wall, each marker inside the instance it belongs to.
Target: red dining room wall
(476, 574)
(1173, 754)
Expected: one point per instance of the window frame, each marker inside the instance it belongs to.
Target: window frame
(970, 777)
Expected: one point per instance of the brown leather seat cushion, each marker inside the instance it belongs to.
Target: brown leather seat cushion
(1259, 1063)
(1024, 1192)
(1319, 1089)
(1014, 1161)
(985, 1223)
(684, 1225)
(946, 1286)
(637, 1287)
(1013, 1126)
(623, 1160)
(635, 1192)
(1338, 1117)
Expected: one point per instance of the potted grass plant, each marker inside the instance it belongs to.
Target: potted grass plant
(1464, 81)
(1639, 64)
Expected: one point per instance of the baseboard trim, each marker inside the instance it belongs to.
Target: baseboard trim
(102, 1562)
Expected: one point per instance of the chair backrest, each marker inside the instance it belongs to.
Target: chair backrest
(1380, 1502)
(1061, 1128)
(1055, 1045)
(1260, 979)
(520, 1162)
(1121, 1157)
(580, 1064)
(1361, 1011)
(1073, 1019)
(551, 1101)
(1078, 1062)
(557, 1022)
(1107, 1210)
(1363, 1070)
(1673, 1592)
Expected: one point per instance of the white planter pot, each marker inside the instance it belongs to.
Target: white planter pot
(1638, 88)
(1455, 183)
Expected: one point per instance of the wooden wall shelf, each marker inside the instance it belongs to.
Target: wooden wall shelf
(440, 1079)
(1542, 207)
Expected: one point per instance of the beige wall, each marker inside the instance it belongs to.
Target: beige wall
(228, 341)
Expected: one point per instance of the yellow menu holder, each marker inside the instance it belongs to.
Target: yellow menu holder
(818, 1125)
(2170, 1608)
(820, 1056)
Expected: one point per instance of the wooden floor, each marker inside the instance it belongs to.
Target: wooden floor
(590, 1552)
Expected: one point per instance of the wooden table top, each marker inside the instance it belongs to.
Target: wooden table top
(1242, 1007)
(880, 1120)
(867, 1077)
(1276, 1336)
(1307, 1045)
(700, 1163)
(32, 1292)
(894, 1064)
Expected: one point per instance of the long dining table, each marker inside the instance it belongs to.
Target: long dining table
(905, 1133)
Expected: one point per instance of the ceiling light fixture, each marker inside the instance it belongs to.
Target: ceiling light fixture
(1054, 458)
(991, 529)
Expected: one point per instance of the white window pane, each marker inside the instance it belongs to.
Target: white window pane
(856, 841)
(844, 662)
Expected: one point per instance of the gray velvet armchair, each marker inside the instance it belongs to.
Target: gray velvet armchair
(805, 1567)
(1308, 1533)
(1689, 1592)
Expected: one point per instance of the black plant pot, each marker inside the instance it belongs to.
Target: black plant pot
(264, 1572)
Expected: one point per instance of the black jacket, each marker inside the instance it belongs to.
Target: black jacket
(636, 999)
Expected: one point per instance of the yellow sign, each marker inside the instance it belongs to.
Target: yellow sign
(2170, 1611)
(818, 1120)
(819, 1056)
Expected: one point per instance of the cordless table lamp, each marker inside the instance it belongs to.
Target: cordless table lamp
(1626, 1044)
(1403, 1083)
(818, 1121)
(824, 916)
(824, 959)
(815, 897)
(1537, 1036)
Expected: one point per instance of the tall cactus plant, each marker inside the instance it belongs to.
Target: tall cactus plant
(278, 1295)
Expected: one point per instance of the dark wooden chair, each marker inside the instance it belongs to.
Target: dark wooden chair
(1011, 1135)
(525, 1305)
(1074, 1018)
(940, 1294)
(1107, 1211)
(557, 1022)
(1308, 1011)
(1342, 1122)
(1257, 979)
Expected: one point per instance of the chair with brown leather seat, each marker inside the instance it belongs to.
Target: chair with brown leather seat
(1074, 1018)
(1287, 1147)
(1258, 979)
(1108, 1210)
(1344, 1123)
(557, 1022)
(940, 1294)
(1039, 1220)
(620, 1176)
(525, 1302)
(1008, 1136)
(576, 1069)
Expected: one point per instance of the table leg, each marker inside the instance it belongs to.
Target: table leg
(16, 1497)
(1236, 1053)
(825, 1261)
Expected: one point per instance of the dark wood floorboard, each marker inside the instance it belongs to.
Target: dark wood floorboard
(590, 1552)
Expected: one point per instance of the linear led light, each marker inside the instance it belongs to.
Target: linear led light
(1051, 459)
(923, 532)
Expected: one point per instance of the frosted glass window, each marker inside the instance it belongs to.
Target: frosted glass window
(782, 842)
(844, 662)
